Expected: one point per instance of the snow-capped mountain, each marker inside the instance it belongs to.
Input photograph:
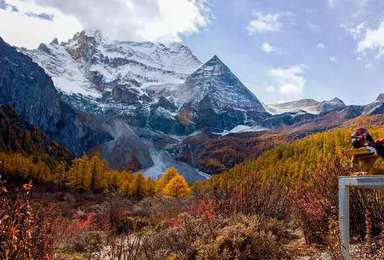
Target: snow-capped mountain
(90, 64)
(213, 97)
(154, 91)
(214, 80)
(376, 107)
(161, 86)
(310, 106)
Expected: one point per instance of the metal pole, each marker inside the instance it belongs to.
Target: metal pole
(344, 219)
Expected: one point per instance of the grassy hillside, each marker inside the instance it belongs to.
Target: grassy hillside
(297, 183)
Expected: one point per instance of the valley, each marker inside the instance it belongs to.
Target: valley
(139, 150)
(150, 99)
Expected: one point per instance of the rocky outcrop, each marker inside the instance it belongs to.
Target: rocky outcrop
(30, 90)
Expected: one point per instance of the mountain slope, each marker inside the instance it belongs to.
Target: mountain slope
(91, 64)
(26, 86)
(217, 98)
(376, 107)
(17, 136)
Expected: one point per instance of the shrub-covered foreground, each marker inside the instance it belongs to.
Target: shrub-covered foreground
(90, 226)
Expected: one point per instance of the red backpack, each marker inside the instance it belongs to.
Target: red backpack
(361, 138)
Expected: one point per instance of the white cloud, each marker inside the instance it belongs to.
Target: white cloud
(370, 39)
(264, 22)
(356, 31)
(267, 48)
(332, 59)
(154, 20)
(288, 82)
(20, 29)
(320, 45)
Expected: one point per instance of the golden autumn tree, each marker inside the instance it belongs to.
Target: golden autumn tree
(124, 180)
(74, 177)
(60, 174)
(138, 186)
(87, 174)
(99, 169)
(151, 186)
(177, 187)
(164, 179)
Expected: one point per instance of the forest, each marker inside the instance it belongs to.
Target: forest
(264, 208)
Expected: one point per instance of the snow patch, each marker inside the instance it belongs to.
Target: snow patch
(243, 129)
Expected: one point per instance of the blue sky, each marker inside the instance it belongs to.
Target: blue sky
(281, 49)
(313, 36)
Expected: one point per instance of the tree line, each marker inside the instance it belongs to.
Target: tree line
(91, 173)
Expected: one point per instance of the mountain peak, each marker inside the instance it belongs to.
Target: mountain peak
(338, 101)
(89, 35)
(380, 98)
(216, 60)
(216, 82)
(214, 67)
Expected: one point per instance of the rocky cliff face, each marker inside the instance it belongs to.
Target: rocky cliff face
(219, 99)
(18, 136)
(213, 98)
(30, 90)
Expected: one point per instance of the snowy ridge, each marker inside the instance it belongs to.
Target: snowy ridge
(310, 106)
(90, 63)
(376, 107)
(64, 71)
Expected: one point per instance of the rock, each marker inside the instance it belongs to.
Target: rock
(126, 95)
(26, 86)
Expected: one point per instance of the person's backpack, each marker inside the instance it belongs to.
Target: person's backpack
(361, 138)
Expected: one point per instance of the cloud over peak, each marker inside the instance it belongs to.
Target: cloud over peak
(155, 20)
(135, 20)
(289, 82)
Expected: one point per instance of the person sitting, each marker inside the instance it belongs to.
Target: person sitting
(366, 152)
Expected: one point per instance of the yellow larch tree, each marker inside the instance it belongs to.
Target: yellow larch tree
(164, 179)
(138, 186)
(177, 187)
